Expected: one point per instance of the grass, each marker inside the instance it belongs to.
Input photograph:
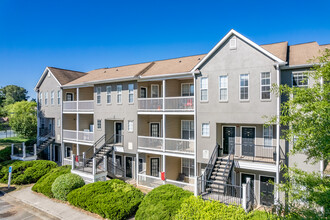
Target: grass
(5, 142)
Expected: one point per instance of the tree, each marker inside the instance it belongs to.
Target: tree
(11, 94)
(23, 118)
(306, 115)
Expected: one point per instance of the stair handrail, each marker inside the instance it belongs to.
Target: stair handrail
(93, 146)
(45, 136)
(211, 163)
(99, 149)
(231, 154)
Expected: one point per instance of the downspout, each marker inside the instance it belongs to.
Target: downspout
(195, 135)
(278, 106)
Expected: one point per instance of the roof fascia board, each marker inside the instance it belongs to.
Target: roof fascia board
(43, 76)
(165, 76)
(86, 84)
(248, 41)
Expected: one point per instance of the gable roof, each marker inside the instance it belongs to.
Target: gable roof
(279, 50)
(300, 53)
(325, 46)
(223, 40)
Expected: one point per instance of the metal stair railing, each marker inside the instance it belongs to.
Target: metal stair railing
(229, 164)
(100, 148)
(93, 147)
(210, 166)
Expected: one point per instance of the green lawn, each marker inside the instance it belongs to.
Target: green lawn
(4, 142)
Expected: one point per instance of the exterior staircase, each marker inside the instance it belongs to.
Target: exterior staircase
(44, 144)
(218, 176)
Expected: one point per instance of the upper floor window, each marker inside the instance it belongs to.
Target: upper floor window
(130, 126)
(204, 88)
(299, 80)
(52, 97)
(265, 85)
(98, 95)
(143, 92)
(40, 98)
(205, 129)
(46, 98)
(223, 84)
(187, 89)
(154, 91)
(59, 97)
(108, 94)
(187, 129)
(130, 93)
(268, 136)
(119, 93)
(58, 122)
(99, 124)
(244, 87)
(188, 167)
(69, 96)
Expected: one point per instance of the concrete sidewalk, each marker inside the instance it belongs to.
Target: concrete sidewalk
(53, 208)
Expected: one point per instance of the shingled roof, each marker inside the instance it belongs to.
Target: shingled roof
(277, 49)
(301, 53)
(65, 76)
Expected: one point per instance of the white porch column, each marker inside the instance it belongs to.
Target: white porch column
(164, 92)
(278, 106)
(51, 152)
(105, 163)
(73, 161)
(24, 150)
(164, 145)
(244, 196)
(12, 149)
(94, 166)
(195, 141)
(137, 169)
(35, 149)
(38, 119)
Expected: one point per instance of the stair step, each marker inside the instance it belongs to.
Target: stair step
(217, 177)
(216, 186)
(215, 190)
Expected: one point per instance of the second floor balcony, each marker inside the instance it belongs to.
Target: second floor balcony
(172, 104)
(78, 136)
(78, 106)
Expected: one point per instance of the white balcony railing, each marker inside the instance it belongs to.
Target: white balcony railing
(171, 144)
(149, 181)
(81, 136)
(184, 185)
(83, 106)
(182, 103)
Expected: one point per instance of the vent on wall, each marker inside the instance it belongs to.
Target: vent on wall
(232, 43)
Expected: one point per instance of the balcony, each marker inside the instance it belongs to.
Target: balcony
(78, 136)
(171, 145)
(80, 106)
(172, 104)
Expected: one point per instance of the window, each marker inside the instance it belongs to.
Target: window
(268, 136)
(244, 86)
(154, 91)
(99, 124)
(58, 122)
(130, 93)
(69, 96)
(130, 126)
(98, 95)
(52, 97)
(299, 80)
(232, 43)
(188, 167)
(108, 94)
(58, 97)
(143, 92)
(119, 91)
(46, 98)
(204, 88)
(265, 85)
(40, 98)
(223, 85)
(187, 89)
(187, 129)
(206, 129)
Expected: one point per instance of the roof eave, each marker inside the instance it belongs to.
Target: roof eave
(36, 88)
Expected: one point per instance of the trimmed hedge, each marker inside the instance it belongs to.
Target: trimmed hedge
(162, 202)
(44, 184)
(25, 172)
(5, 154)
(113, 199)
(196, 208)
(65, 183)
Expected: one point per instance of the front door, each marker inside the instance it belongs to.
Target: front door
(118, 134)
(129, 162)
(154, 129)
(143, 92)
(248, 140)
(228, 139)
(154, 167)
(266, 190)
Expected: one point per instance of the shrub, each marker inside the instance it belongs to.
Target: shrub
(5, 154)
(260, 215)
(162, 202)
(113, 199)
(65, 183)
(25, 172)
(44, 184)
(197, 208)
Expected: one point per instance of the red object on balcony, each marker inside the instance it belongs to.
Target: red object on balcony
(77, 160)
(162, 175)
(189, 103)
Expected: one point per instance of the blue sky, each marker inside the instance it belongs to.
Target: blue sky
(85, 35)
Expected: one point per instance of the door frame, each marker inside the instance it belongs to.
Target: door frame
(254, 185)
(260, 175)
(146, 91)
(159, 170)
(241, 137)
(114, 130)
(125, 157)
(228, 126)
(159, 131)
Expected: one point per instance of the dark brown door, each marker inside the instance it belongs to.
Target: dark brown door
(266, 190)
(154, 171)
(154, 129)
(118, 132)
(248, 140)
(228, 139)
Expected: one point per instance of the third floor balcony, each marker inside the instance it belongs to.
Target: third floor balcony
(78, 100)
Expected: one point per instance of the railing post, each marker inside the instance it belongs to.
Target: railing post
(73, 161)
(24, 152)
(12, 149)
(248, 184)
(35, 149)
(94, 166)
(84, 158)
(244, 197)
(105, 163)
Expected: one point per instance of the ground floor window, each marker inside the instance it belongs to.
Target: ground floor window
(188, 167)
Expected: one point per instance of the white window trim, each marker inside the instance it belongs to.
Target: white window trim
(254, 183)
(131, 131)
(270, 85)
(189, 88)
(241, 137)
(202, 130)
(188, 167)
(97, 127)
(158, 94)
(59, 98)
(58, 124)
(46, 98)
(131, 93)
(189, 128)
(97, 95)
(233, 47)
(108, 94)
(52, 97)
(298, 72)
(224, 88)
(40, 99)
(160, 131)
(71, 94)
(263, 135)
(239, 88)
(146, 91)
(207, 89)
(119, 92)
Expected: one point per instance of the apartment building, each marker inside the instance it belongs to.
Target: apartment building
(198, 122)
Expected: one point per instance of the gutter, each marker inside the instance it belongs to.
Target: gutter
(298, 66)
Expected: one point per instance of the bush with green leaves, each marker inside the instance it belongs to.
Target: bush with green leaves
(25, 172)
(44, 184)
(5, 154)
(162, 202)
(113, 199)
(65, 183)
(197, 208)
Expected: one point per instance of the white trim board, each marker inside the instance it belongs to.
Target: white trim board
(249, 165)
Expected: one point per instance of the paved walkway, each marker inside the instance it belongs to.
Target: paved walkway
(56, 209)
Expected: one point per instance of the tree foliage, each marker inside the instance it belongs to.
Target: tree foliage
(11, 94)
(23, 118)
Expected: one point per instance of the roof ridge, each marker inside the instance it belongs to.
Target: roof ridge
(303, 43)
(145, 69)
(66, 69)
(274, 43)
